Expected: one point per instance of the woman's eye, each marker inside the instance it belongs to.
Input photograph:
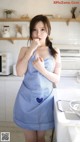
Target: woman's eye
(43, 29)
(34, 29)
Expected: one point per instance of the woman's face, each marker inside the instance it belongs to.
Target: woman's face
(40, 31)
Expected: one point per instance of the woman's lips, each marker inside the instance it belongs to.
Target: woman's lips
(38, 38)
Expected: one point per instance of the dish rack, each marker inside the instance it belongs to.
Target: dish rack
(75, 106)
(69, 107)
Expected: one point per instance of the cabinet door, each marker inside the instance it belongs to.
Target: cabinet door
(12, 88)
(2, 101)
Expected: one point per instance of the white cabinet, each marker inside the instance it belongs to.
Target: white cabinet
(12, 88)
(2, 101)
(8, 93)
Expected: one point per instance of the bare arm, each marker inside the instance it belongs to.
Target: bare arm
(22, 62)
(55, 76)
(24, 56)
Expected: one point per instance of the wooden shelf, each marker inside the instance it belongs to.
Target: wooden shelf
(64, 20)
(14, 19)
(28, 19)
(14, 38)
(17, 38)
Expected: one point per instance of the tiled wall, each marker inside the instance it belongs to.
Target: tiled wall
(61, 32)
(66, 34)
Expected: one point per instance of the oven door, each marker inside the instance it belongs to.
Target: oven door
(69, 63)
(70, 66)
(0, 64)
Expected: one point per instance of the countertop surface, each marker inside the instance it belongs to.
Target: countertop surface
(11, 77)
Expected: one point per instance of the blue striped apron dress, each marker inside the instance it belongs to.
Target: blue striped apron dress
(34, 104)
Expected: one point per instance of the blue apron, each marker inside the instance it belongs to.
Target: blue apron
(34, 104)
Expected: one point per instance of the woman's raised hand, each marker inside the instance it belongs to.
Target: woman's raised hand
(35, 43)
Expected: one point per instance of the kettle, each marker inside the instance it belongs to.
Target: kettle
(6, 31)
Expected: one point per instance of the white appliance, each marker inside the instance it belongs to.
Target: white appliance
(5, 63)
(67, 89)
(70, 56)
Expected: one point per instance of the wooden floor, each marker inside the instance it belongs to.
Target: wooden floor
(16, 134)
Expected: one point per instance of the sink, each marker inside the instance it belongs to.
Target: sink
(71, 116)
(65, 106)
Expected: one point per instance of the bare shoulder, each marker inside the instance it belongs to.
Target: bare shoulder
(58, 57)
(22, 52)
(57, 50)
(23, 49)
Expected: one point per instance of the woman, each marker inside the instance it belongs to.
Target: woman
(41, 64)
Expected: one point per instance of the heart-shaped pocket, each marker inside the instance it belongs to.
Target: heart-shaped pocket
(39, 100)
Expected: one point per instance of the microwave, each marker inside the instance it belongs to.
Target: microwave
(5, 63)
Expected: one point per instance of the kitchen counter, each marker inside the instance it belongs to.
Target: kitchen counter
(67, 89)
(68, 82)
(11, 77)
(74, 133)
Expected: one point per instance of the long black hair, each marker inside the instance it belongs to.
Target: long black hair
(46, 22)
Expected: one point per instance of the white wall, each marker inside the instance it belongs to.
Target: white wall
(61, 33)
(33, 7)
